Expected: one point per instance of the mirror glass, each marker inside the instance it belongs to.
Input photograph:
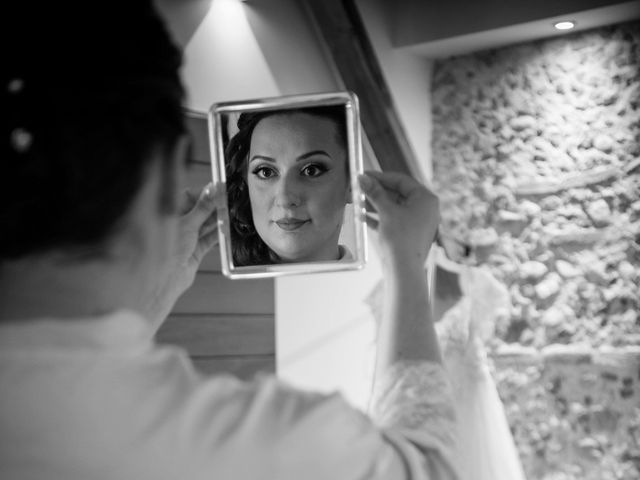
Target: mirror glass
(289, 168)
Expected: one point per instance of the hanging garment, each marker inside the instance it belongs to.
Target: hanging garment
(486, 450)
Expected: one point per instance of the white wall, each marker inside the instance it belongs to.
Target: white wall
(289, 44)
(223, 60)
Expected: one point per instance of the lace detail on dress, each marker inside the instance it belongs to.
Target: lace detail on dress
(415, 395)
(463, 351)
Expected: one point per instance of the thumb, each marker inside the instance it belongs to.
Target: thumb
(375, 192)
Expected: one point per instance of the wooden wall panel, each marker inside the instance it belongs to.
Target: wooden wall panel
(211, 261)
(227, 326)
(244, 366)
(214, 293)
(221, 334)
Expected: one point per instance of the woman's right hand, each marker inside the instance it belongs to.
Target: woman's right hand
(197, 234)
(408, 216)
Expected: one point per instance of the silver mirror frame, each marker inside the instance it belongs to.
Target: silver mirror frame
(354, 150)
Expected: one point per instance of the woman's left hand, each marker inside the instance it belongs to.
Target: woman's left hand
(408, 216)
(197, 234)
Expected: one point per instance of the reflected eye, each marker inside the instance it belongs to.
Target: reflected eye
(263, 172)
(314, 170)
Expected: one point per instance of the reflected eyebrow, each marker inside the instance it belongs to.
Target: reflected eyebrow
(262, 157)
(312, 153)
(304, 156)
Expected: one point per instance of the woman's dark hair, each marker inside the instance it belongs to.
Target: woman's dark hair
(246, 245)
(80, 129)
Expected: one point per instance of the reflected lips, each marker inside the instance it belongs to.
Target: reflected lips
(290, 224)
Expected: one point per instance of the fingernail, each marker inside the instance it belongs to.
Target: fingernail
(208, 192)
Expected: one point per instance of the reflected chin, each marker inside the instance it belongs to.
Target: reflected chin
(296, 240)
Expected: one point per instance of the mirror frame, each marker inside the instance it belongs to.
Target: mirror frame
(354, 153)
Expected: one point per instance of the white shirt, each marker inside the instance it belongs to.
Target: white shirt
(97, 399)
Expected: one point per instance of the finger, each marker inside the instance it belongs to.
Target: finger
(368, 207)
(376, 194)
(371, 221)
(204, 207)
(205, 243)
(207, 228)
(373, 215)
(401, 183)
(211, 220)
(188, 201)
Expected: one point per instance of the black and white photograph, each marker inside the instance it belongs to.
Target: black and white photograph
(320, 240)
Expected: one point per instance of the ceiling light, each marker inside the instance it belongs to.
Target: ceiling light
(566, 25)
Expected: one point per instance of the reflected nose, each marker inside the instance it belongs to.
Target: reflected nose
(289, 192)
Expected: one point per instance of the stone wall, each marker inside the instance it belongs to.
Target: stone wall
(536, 152)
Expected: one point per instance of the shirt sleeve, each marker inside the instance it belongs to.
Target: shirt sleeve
(268, 429)
(413, 404)
(410, 434)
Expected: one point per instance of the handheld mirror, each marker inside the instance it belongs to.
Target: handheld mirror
(289, 167)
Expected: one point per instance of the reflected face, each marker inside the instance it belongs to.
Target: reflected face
(298, 186)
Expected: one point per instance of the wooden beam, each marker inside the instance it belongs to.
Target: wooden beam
(245, 367)
(212, 292)
(340, 25)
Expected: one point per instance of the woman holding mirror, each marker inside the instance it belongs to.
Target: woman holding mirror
(94, 254)
(288, 184)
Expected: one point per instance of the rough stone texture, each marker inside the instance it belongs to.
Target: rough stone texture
(536, 152)
(573, 411)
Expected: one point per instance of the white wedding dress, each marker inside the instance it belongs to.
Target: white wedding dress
(486, 450)
(485, 447)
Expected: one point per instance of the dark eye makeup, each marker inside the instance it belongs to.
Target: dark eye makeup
(314, 170)
(264, 172)
(309, 171)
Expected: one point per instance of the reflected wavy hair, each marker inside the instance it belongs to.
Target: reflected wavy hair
(247, 246)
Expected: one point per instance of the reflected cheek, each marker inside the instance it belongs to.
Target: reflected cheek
(260, 199)
(328, 204)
